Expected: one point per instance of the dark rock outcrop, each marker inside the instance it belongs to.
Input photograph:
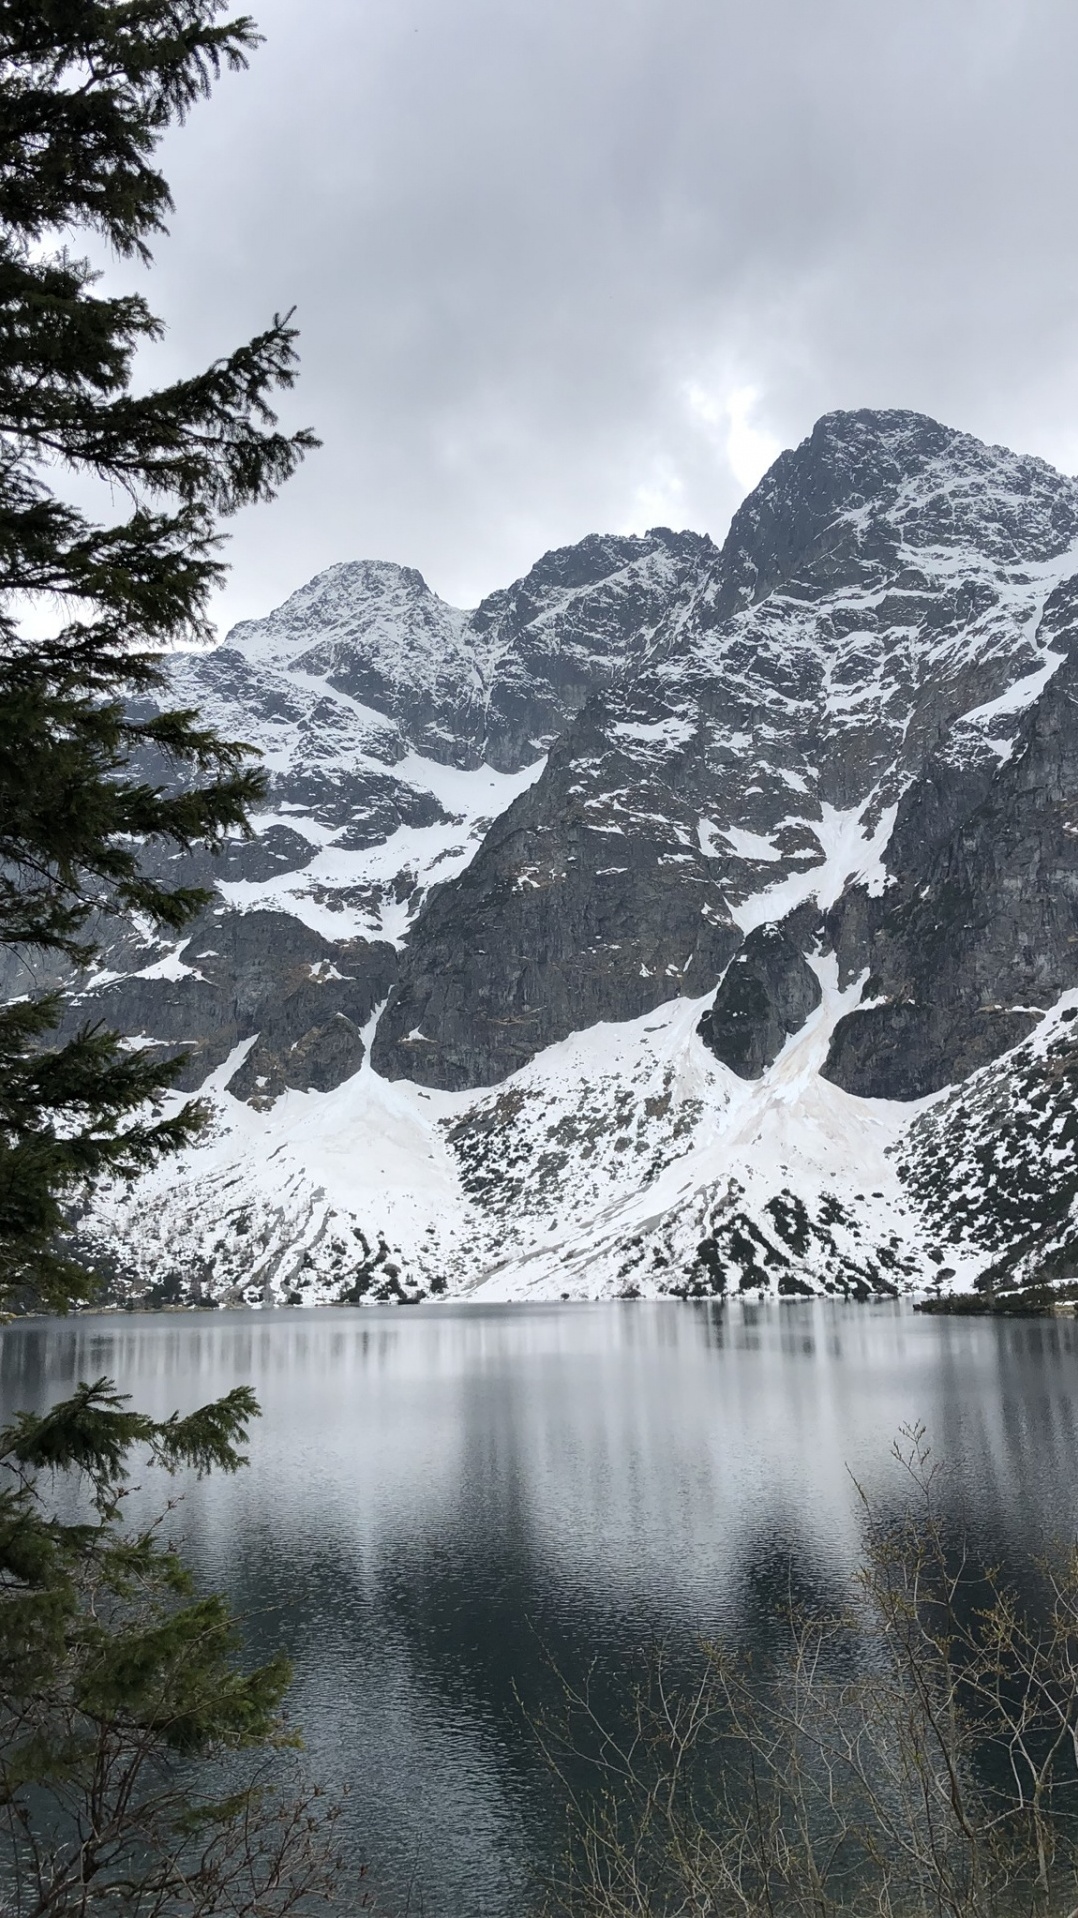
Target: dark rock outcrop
(768, 992)
(979, 930)
(244, 974)
(564, 918)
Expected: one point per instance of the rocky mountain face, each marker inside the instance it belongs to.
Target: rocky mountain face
(976, 936)
(665, 924)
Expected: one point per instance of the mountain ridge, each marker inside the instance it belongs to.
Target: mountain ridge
(743, 853)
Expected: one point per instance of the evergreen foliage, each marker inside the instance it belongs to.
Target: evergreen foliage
(87, 87)
(137, 1757)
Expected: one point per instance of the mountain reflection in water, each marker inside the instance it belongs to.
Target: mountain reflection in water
(442, 1503)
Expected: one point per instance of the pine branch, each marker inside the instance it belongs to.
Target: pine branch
(95, 764)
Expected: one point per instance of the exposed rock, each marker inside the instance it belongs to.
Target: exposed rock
(980, 929)
(581, 619)
(241, 974)
(319, 1057)
(768, 992)
(562, 919)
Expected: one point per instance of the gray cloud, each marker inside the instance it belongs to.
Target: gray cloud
(587, 265)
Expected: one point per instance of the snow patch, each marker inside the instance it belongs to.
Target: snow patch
(849, 854)
(750, 845)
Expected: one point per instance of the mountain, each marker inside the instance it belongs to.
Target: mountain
(681, 920)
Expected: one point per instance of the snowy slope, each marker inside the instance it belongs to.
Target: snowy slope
(625, 1162)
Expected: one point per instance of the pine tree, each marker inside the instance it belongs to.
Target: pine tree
(143, 1769)
(87, 87)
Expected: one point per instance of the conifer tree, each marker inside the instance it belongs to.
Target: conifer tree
(143, 1769)
(87, 88)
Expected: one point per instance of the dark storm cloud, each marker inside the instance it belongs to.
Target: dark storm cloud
(587, 264)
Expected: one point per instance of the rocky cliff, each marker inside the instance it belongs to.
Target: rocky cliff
(661, 925)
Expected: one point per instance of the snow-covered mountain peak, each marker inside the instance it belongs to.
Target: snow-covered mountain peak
(619, 934)
(395, 727)
(375, 633)
(350, 599)
(869, 493)
(751, 760)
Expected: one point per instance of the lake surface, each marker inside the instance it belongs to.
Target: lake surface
(442, 1501)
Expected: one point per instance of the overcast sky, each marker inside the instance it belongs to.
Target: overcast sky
(566, 266)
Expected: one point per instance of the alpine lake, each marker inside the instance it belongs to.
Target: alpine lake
(447, 1507)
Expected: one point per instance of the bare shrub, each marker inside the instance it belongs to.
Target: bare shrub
(913, 1752)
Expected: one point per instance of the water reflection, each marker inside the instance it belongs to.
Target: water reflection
(439, 1498)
